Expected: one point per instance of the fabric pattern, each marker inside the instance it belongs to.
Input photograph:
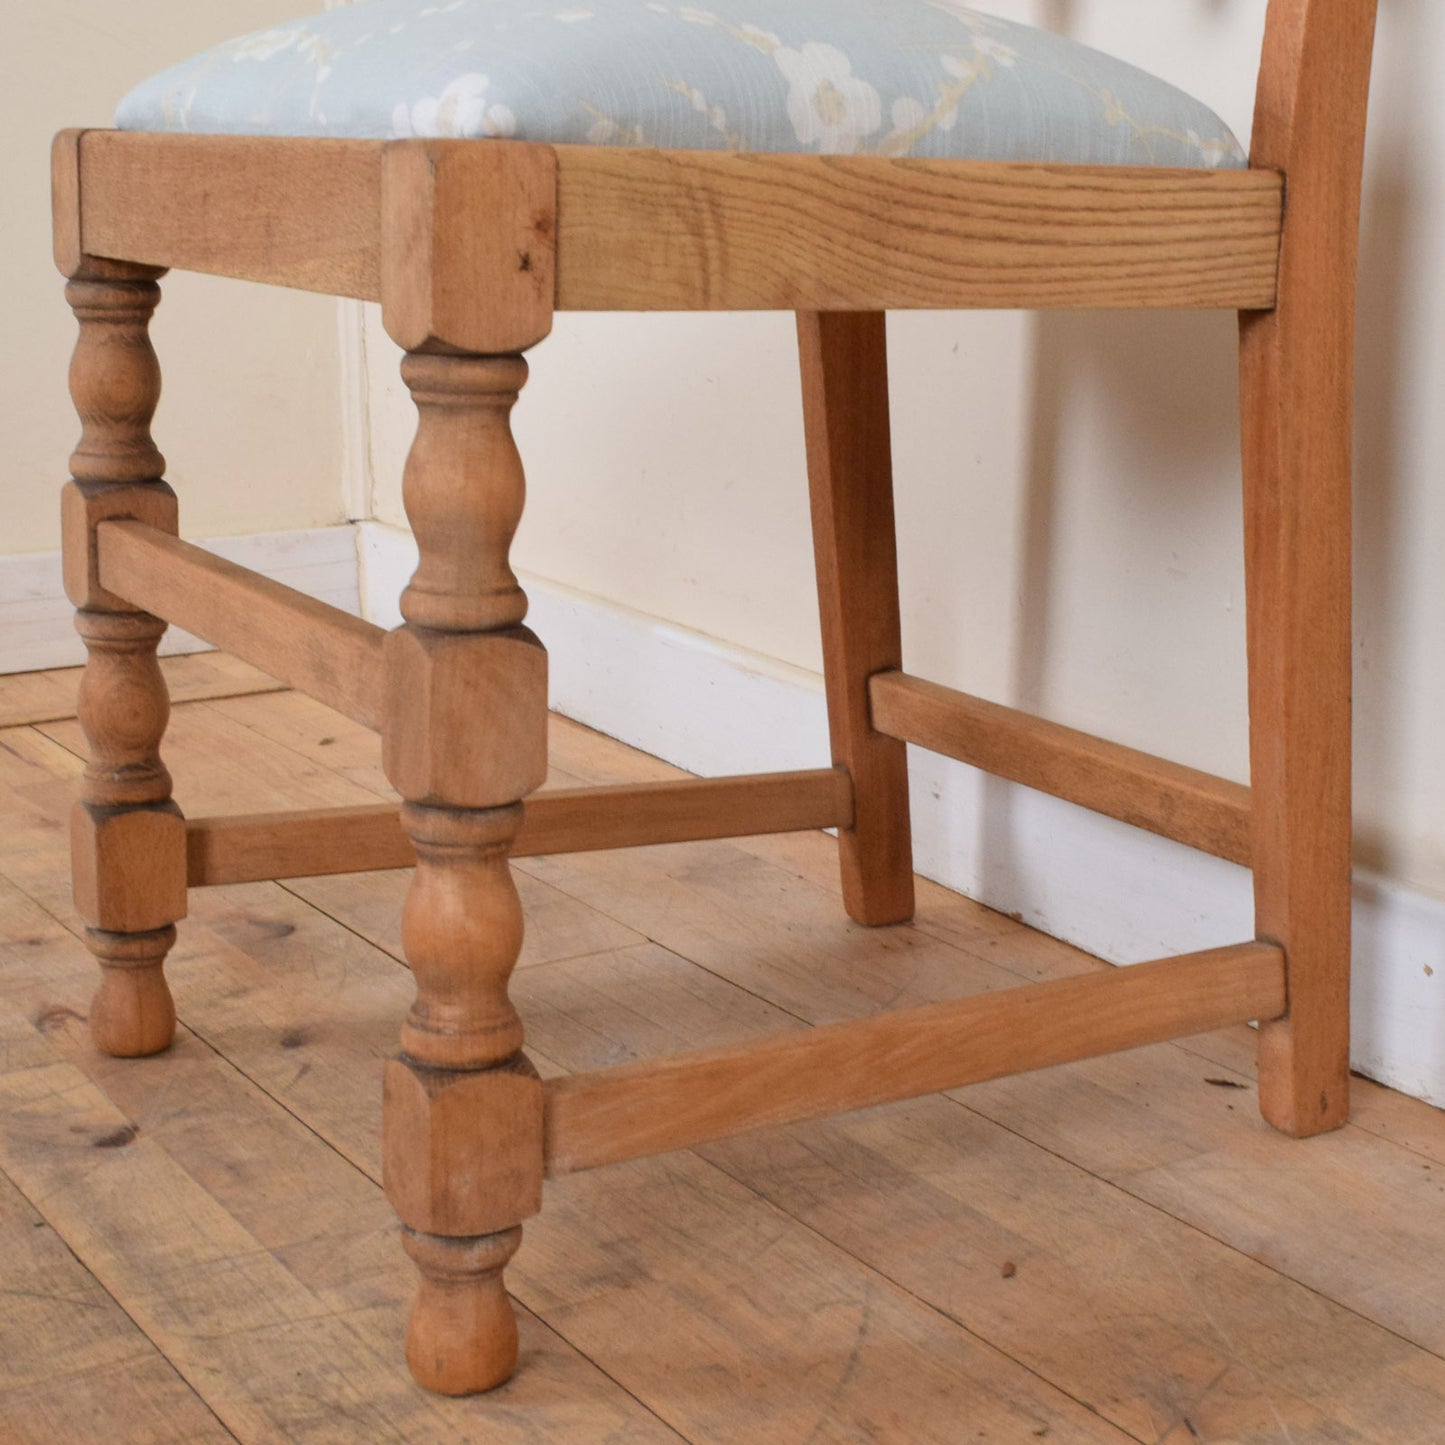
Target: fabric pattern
(875, 77)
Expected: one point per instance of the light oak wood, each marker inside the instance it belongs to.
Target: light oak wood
(246, 848)
(674, 1103)
(670, 231)
(843, 358)
(468, 243)
(646, 230)
(300, 213)
(305, 643)
(1190, 806)
(464, 739)
(127, 836)
(1296, 389)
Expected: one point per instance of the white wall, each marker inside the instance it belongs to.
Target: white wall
(249, 421)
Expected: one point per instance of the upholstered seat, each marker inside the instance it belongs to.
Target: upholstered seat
(883, 77)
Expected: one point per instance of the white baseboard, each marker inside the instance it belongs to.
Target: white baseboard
(1120, 893)
(36, 621)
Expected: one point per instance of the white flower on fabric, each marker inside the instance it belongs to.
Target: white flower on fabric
(828, 105)
(264, 45)
(460, 111)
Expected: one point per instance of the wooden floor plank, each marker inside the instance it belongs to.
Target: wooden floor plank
(266, 1266)
(727, 906)
(72, 1364)
(38, 697)
(1236, 1344)
(1124, 1229)
(729, 1321)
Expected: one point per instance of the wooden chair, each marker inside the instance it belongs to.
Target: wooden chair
(470, 247)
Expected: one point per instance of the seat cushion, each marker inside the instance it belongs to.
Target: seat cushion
(878, 77)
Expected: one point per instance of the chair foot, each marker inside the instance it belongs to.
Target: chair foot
(462, 1336)
(132, 1013)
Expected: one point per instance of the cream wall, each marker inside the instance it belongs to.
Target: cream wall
(1068, 485)
(250, 420)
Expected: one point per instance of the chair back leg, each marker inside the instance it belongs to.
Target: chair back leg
(850, 481)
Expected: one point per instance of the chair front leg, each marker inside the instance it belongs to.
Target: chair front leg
(464, 740)
(128, 839)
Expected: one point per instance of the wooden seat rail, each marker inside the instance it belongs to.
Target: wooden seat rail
(319, 649)
(672, 231)
(633, 1110)
(1192, 807)
(255, 847)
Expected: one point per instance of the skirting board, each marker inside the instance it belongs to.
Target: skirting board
(36, 620)
(1119, 893)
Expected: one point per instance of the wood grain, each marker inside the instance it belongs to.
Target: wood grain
(303, 642)
(289, 212)
(468, 241)
(1182, 803)
(1296, 390)
(672, 1103)
(650, 230)
(127, 836)
(319, 841)
(676, 231)
(464, 740)
(844, 366)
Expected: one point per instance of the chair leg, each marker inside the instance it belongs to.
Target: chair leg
(850, 481)
(1295, 388)
(464, 740)
(128, 839)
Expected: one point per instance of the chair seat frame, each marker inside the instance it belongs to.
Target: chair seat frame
(470, 248)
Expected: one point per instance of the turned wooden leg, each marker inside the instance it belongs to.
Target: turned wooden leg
(850, 481)
(464, 740)
(128, 839)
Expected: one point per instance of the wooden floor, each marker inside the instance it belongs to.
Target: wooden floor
(195, 1247)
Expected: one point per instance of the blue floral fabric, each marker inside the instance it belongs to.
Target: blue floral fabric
(875, 77)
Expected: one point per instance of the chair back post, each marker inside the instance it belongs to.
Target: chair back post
(1296, 386)
(1314, 76)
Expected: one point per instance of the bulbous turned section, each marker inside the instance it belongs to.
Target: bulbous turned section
(132, 1013)
(115, 378)
(123, 707)
(462, 1335)
(461, 930)
(464, 489)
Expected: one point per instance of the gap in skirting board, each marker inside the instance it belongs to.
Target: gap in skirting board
(712, 708)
